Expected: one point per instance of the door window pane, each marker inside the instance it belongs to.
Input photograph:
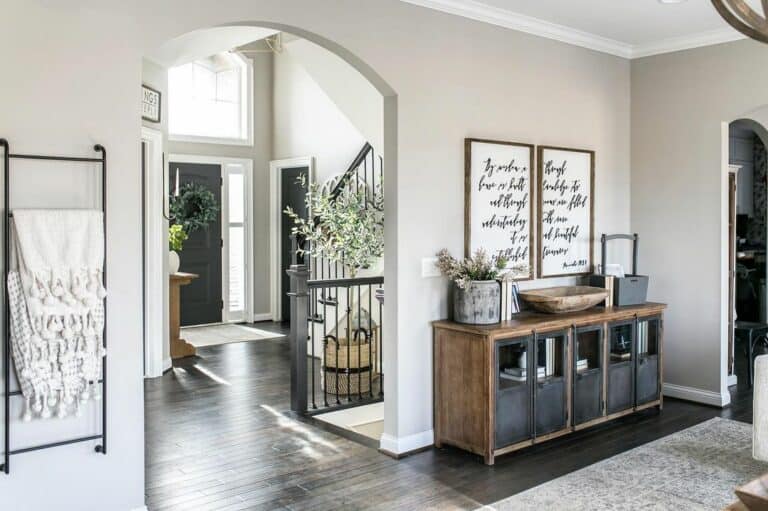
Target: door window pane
(236, 268)
(236, 199)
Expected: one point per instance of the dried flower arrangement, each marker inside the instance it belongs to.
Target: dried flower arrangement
(479, 267)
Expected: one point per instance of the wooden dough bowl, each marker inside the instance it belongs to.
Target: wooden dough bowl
(554, 300)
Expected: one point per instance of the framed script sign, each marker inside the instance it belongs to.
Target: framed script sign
(150, 104)
(566, 211)
(498, 213)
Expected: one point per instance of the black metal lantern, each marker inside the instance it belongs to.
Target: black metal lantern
(744, 18)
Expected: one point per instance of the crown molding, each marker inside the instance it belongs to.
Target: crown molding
(507, 19)
(503, 18)
(724, 35)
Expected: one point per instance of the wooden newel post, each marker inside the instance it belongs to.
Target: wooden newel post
(299, 296)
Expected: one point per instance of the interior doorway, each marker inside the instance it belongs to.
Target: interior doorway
(222, 254)
(293, 189)
(747, 313)
(228, 388)
(286, 190)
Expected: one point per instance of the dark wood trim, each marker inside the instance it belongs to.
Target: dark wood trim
(468, 197)
(539, 195)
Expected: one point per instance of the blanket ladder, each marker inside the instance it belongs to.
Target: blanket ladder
(101, 446)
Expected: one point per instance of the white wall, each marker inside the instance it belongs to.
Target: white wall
(681, 106)
(351, 92)
(156, 76)
(78, 83)
(452, 78)
(307, 122)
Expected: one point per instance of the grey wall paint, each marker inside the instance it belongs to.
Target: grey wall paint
(453, 78)
(679, 104)
(261, 154)
(308, 122)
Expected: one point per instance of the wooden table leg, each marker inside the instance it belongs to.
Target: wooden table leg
(179, 347)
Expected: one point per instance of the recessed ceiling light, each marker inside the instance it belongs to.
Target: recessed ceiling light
(672, 1)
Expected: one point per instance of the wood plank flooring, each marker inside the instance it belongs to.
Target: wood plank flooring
(218, 438)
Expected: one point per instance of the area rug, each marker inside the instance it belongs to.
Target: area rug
(694, 469)
(200, 336)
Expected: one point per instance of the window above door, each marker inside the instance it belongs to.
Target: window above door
(209, 100)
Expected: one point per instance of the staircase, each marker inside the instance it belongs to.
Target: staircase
(340, 363)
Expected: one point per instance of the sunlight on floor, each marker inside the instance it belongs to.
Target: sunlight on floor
(211, 375)
(372, 429)
(300, 429)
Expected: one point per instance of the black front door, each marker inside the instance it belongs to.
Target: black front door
(201, 300)
(293, 195)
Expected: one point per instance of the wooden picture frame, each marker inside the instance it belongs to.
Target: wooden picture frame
(151, 104)
(526, 151)
(541, 247)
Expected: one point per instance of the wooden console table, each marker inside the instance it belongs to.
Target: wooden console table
(179, 347)
(503, 387)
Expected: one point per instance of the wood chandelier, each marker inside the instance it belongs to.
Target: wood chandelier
(744, 18)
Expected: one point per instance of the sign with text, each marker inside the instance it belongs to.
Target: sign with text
(498, 208)
(150, 104)
(566, 205)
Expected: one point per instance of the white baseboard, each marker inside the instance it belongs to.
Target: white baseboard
(167, 364)
(706, 397)
(263, 316)
(732, 380)
(406, 444)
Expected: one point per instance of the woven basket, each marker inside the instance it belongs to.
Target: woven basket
(349, 385)
(350, 369)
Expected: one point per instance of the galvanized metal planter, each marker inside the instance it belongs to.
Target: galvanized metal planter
(479, 304)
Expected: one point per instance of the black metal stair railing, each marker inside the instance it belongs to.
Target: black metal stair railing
(337, 362)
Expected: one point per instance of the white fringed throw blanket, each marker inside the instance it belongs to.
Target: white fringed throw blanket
(56, 300)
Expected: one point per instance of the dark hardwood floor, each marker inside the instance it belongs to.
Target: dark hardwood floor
(217, 437)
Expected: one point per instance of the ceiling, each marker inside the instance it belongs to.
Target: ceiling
(206, 42)
(627, 28)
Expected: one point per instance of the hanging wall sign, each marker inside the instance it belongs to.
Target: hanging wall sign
(150, 104)
(498, 210)
(566, 207)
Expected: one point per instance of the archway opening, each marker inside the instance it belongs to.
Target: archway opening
(746, 302)
(257, 118)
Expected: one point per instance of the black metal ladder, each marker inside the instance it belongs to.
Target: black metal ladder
(101, 447)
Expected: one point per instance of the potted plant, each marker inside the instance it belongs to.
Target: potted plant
(476, 288)
(347, 229)
(176, 239)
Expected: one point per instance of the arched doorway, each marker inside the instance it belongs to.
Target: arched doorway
(234, 399)
(746, 298)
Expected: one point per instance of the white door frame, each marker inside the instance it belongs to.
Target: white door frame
(247, 165)
(275, 215)
(156, 349)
